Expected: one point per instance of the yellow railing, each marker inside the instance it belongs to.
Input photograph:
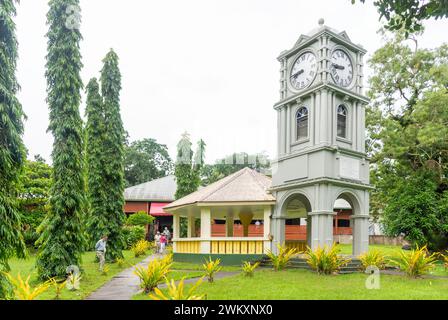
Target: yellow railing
(237, 247)
(188, 247)
(297, 244)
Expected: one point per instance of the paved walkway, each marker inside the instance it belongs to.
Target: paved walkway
(126, 284)
(123, 286)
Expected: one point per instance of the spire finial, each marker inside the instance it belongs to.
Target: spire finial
(321, 21)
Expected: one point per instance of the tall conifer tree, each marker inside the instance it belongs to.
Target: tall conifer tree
(98, 220)
(61, 240)
(113, 171)
(12, 150)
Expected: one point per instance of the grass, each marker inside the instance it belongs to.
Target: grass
(304, 284)
(387, 250)
(92, 279)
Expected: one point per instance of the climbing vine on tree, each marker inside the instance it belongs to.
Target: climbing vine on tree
(62, 236)
(12, 150)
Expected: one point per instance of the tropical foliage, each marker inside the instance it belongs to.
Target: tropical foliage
(74, 281)
(177, 292)
(282, 259)
(61, 240)
(12, 150)
(234, 163)
(140, 248)
(407, 132)
(373, 257)
(415, 263)
(23, 290)
(146, 160)
(249, 268)
(409, 14)
(132, 235)
(154, 273)
(35, 184)
(113, 170)
(187, 171)
(98, 217)
(58, 287)
(326, 260)
(211, 268)
(139, 219)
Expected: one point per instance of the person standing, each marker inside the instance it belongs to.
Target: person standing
(100, 248)
(167, 233)
(157, 241)
(163, 241)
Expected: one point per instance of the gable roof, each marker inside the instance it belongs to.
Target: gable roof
(162, 190)
(246, 185)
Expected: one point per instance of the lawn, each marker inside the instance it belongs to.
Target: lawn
(91, 280)
(303, 284)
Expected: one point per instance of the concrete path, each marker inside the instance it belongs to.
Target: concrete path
(123, 286)
(126, 284)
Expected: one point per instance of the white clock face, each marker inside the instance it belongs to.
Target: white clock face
(303, 71)
(341, 68)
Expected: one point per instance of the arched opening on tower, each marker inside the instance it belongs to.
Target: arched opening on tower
(297, 223)
(342, 222)
(346, 230)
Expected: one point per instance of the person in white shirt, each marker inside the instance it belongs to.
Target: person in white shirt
(100, 248)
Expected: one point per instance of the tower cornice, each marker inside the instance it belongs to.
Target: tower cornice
(348, 94)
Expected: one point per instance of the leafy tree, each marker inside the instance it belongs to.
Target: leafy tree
(35, 184)
(12, 150)
(98, 219)
(146, 160)
(233, 163)
(61, 240)
(113, 169)
(407, 139)
(409, 14)
(186, 171)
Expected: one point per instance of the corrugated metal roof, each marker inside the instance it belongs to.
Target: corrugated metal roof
(162, 189)
(244, 185)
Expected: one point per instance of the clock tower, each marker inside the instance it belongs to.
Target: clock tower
(321, 154)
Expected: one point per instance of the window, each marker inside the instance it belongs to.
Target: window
(302, 123)
(343, 223)
(342, 121)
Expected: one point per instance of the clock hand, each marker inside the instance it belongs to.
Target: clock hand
(298, 73)
(336, 66)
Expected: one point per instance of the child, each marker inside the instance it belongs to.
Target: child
(163, 242)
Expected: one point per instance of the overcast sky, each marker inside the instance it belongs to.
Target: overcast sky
(204, 66)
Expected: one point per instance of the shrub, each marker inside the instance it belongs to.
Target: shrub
(210, 268)
(445, 261)
(249, 268)
(22, 289)
(120, 262)
(133, 234)
(415, 263)
(58, 287)
(139, 219)
(140, 248)
(281, 260)
(326, 260)
(177, 292)
(30, 237)
(373, 258)
(74, 281)
(154, 273)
